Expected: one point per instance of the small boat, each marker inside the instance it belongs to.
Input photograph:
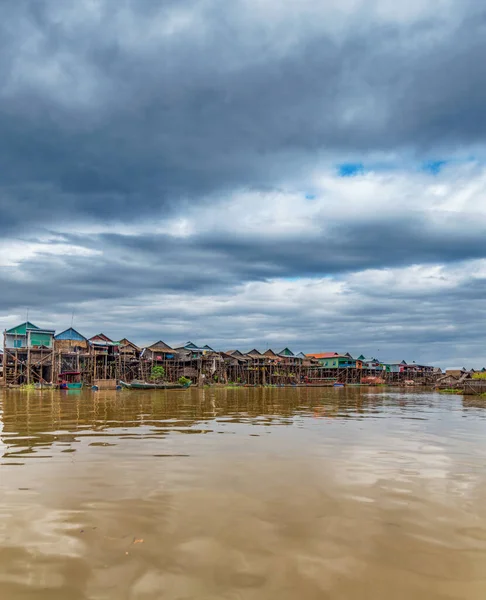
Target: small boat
(70, 380)
(338, 385)
(77, 385)
(142, 385)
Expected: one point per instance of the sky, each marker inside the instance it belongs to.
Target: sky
(252, 173)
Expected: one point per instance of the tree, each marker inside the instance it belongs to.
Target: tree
(157, 373)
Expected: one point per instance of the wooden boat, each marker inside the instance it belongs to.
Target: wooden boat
(72, 386)
(142, 385)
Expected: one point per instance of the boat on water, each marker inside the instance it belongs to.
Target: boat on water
(338, 385)
(70, 380)
(143, 385)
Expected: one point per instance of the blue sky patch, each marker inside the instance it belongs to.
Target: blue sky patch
(434, 166)
(350, 169)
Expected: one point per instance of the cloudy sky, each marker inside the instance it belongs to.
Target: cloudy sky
(248, 173)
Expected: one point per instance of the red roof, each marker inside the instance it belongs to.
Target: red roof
(323, 355)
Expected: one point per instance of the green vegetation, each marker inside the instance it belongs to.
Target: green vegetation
(450, 391)
(479, 376)
(184, 381)
(27, 386)
(157, 373)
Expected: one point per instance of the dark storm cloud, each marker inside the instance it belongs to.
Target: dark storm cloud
(212, 262)
(117, 123)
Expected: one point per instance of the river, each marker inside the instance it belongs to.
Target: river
(242, 494)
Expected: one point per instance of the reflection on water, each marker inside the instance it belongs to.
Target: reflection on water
(277, 493)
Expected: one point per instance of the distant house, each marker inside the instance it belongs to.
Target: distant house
(70, 341)
(289, 357)
(194, 350)
(271, 356)
(28, 336)
(128, 349)
(101, 344)
(254, 353)
(234, 358)
(159, 352)
(257, 357)
(321, 355)
(236, 355)
(415, 368)
(394, 367)
(453, 377)
(334, 360)
(370, 363)
(101, 337)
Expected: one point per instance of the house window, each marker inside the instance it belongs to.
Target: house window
(17, 343)
(334, 363)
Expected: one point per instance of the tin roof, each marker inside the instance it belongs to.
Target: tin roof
(22, 328)
(70, 334)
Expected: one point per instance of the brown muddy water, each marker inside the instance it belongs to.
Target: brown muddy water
(242, 494)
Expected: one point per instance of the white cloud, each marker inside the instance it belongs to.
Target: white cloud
(14, 252)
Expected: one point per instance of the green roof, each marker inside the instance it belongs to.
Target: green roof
(22, 329)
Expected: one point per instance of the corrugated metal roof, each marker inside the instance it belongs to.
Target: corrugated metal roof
(323, 355)
(101, 336)
(160, 345)
(22, 328)
(70, 334)
(235, 353)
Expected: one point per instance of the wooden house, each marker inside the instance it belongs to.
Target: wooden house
(71, 341)
(256, 357)
(418, 369)
(452, 378)
(101, 344)
(194, 351)
(128, 349)
(289, 357)
(27, 336)
(101, 337)
(159, 352)
(236, 355)
(272, 356)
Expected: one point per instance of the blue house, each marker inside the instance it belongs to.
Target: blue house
(70, 341)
